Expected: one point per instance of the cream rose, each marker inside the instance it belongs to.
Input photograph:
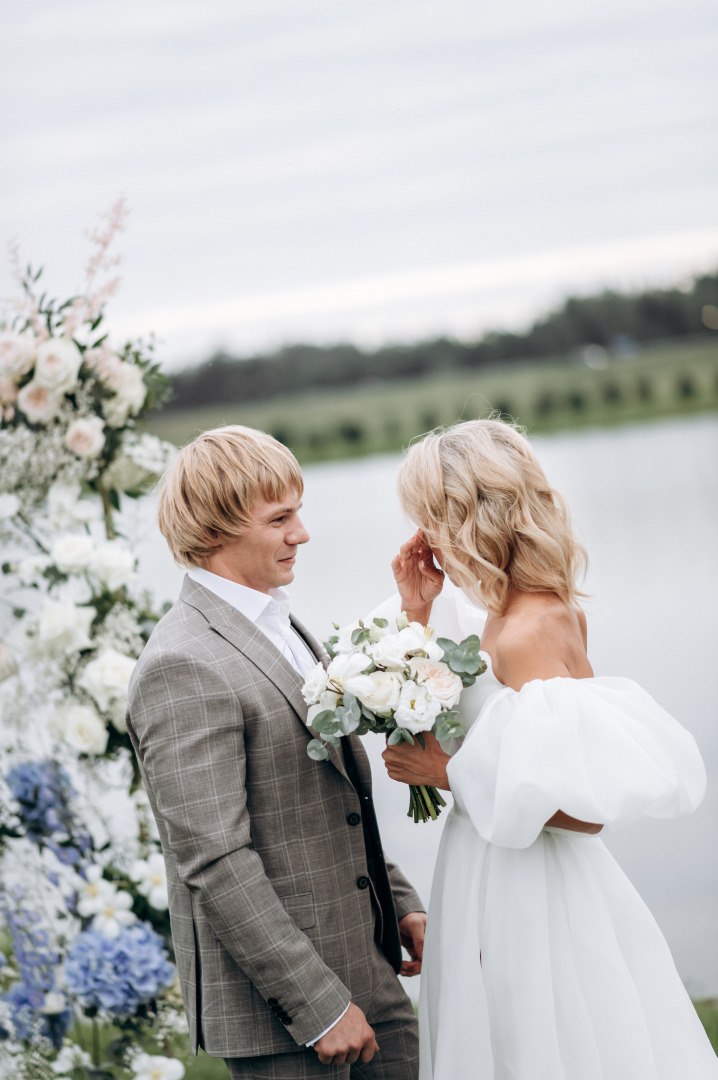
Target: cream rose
(80, 727)
(72, 554)
(85, 437)
(383, 698)
(57, 365)
(438, 678)
(113, 565)
(106, 679)
(39, 403)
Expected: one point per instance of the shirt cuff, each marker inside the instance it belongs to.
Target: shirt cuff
(327, 1029)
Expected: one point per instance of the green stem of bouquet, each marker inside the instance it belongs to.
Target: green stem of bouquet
(425, 803)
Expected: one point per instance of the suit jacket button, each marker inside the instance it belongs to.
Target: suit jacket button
(362, 882)
(353, 819)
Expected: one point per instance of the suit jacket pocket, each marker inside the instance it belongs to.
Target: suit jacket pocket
(300, 907)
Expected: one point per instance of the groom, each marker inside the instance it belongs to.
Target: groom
(287, 922)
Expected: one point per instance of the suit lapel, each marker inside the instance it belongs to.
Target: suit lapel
(240, 632)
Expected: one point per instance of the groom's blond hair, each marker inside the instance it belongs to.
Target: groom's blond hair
(207, 494)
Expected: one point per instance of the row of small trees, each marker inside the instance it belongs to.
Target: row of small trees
(610, 320)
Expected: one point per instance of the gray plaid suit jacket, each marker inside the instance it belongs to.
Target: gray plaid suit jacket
(272, 919)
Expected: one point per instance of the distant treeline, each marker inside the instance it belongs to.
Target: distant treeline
(612, 320)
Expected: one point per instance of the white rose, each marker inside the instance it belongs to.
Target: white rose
(57, 365)
(129, 396)
(80, 727)
(85, 437)
(106, 679)
(315, 684)
(328, 700)
(9, 506)
(17, 352)
(8, 662)
(39, 403)
(441, 682)
(345, 674)
(72, 554)
(65, 628)
(389, 653)
(416, 710)
(113, 565)
(151, 878)
(384, 697)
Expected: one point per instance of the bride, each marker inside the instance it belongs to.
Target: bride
(541, 961)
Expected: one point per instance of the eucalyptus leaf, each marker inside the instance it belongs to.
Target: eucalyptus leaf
(352, 705)
(396, 737)
(317, 751)
(381, 623)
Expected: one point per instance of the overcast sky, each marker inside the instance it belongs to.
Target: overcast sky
(371, 170)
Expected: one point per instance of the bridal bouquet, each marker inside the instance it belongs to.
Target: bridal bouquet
(396, 680)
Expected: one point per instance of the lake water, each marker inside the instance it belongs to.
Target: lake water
(645, 502)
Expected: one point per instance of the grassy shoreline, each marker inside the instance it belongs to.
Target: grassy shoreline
(670, 379)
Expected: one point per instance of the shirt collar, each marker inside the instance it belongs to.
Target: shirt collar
(249, 602)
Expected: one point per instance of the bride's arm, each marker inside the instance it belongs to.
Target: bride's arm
(418, 579)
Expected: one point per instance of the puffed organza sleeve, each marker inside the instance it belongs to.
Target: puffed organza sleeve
(601, 750)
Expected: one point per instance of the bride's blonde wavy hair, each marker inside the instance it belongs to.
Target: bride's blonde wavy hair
(481, 497)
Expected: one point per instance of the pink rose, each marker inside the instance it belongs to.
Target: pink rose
(85, 437)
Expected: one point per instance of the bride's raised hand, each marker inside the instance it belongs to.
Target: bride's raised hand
(418, 578)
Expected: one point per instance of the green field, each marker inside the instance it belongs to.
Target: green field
(663, 380)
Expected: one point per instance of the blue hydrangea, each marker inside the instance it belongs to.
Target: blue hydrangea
(44, 793)
(118, 974)
(44, 790)
(27, 1019)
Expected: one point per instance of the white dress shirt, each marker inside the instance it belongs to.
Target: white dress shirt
(270, 613)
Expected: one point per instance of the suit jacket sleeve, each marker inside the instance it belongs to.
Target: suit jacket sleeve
(189, 732)
(405, 898)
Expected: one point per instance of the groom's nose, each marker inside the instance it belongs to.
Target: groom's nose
(297, 534)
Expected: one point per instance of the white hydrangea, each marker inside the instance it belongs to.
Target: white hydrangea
(8, 662)
(71, 1057)
(155, 1067)
(129, 396)
(67, 508)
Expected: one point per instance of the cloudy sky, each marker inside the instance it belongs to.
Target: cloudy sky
(371, 170)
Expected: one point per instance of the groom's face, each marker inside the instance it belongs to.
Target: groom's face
(262, 558)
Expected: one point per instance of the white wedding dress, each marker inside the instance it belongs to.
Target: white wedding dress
(541, 960)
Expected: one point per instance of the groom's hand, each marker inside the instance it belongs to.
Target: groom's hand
(411, 931)
(350, 1039)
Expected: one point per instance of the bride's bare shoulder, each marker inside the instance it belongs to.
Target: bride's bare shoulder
(541, 637)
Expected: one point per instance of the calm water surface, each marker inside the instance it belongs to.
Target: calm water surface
(645, 502)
